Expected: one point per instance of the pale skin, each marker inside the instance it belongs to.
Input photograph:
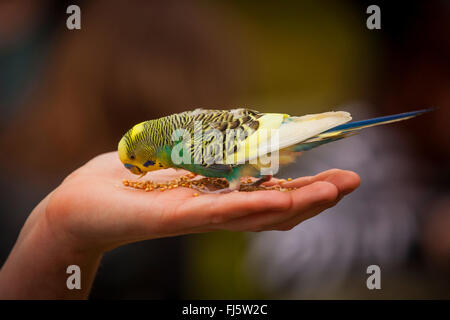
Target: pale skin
(91, 212)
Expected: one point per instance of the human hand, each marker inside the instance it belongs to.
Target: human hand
(97, 211)
(91, 212)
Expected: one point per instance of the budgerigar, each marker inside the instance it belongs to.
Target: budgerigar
(231, 144)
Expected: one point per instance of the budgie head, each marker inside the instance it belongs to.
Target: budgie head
(137, 149)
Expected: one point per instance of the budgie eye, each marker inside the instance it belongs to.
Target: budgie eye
(149, 163)
(132, 157)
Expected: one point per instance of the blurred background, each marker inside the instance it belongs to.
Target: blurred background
(137, 60)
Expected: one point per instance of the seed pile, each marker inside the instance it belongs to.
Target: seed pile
(203, 184)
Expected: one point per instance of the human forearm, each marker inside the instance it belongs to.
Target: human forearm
(36, 267)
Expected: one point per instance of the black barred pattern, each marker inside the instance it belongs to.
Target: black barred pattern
(235, 126)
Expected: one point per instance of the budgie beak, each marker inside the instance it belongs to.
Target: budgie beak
(143, 174)
(135, 170)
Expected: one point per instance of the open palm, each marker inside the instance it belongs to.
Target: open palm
(94, 208)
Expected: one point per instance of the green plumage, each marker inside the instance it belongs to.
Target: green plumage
(154, 138)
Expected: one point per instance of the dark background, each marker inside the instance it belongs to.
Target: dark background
(66, 96)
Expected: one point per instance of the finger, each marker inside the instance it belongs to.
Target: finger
(303, 201)
(296, 220)
(303, 181)
(296, 183)
(217, 209)
(346, 181)
(292, 222)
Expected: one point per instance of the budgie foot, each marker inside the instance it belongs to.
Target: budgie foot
(236, 186)
(260, 181)
(209, 188)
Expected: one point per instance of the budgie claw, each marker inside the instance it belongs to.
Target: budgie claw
(233, 186)
(143, 174)
(260, 181)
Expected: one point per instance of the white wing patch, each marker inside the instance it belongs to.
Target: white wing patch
(290, 131)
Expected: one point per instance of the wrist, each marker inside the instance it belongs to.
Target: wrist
(37, 266)
(72, 223)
